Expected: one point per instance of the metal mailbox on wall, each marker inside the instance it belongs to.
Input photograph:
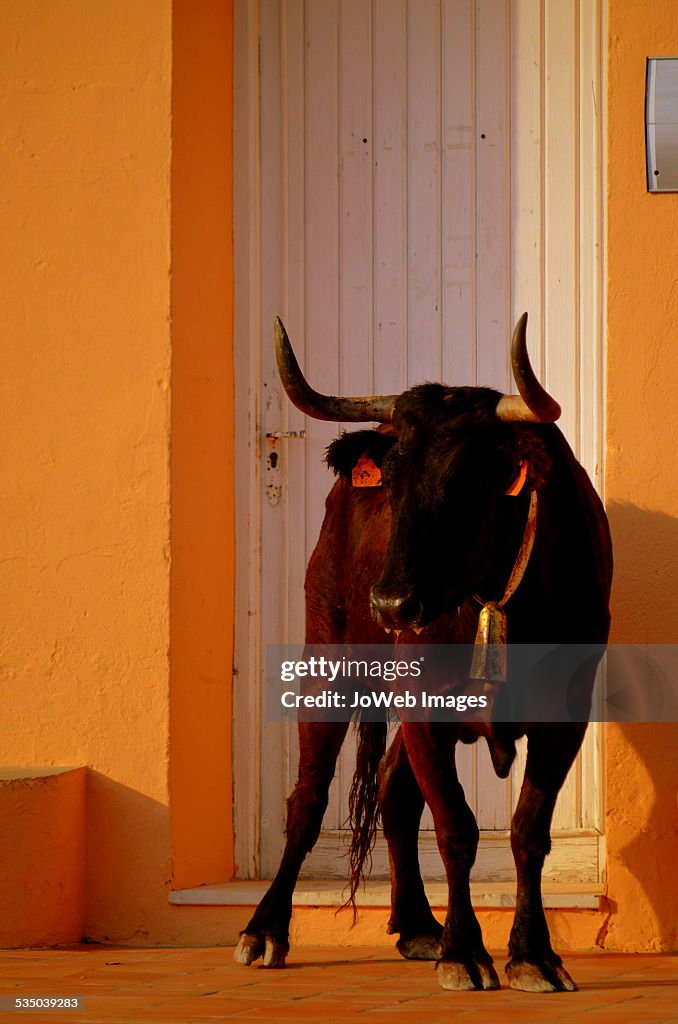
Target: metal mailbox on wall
(661, 124)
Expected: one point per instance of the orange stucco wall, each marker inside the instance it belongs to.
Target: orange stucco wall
(641, 479)
(85, 433)
(43, 843)
(93, 232)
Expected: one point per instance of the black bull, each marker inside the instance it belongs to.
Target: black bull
(410, 555)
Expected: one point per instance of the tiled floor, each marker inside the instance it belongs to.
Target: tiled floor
(322, 984)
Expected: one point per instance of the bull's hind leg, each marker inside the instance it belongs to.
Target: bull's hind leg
(401, 805)
(267, 933)
(464, 962)
(551, 749)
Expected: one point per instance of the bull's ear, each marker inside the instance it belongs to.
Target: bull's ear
(528, 446)
(342, 455)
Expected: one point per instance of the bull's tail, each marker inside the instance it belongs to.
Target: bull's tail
(363, 806)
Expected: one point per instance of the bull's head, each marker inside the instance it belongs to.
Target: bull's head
(446, 470)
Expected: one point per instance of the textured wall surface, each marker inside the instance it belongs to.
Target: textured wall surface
(85, 407)
(43, 841)
(116, 212)
(641, 479)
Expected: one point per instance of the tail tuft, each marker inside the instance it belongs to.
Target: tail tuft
(363, 806)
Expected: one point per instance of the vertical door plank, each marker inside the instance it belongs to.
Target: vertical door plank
(247, 654)
(293, 259)
(591, 781)
(293, 451)
(492, 182)
(492, 53)
(590, 247)
(356, 303)
(272, 598)
(458, 205)
(562, 231)
(423, 192)
(322, 238)
(355, 197)
(322, 312)
(390, 196)
(527, 182)
(567, 813)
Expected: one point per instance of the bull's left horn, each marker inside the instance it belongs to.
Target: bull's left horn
(325, 407)
(533, 404)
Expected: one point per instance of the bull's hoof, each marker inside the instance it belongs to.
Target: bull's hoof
(422, 947)
(275, 953)
(248, 949)
(539, 977)
(468, 976)
(251, 947)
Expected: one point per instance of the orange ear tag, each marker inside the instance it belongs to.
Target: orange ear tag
(366, 473)
(519, 482)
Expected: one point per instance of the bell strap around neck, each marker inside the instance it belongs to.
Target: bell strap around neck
(523, 557)
(489, 656)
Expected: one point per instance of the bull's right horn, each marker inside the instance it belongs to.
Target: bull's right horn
(533, 404)
(325, 407)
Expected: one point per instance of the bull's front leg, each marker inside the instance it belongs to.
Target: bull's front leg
(464, 962)
(401, 805)
(551, 749)
(267, 933)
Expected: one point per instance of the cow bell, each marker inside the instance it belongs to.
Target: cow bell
(489, 654)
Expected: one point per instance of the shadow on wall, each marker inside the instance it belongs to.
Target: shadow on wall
(645, 587)
(642, 761)
(128, 862)
(648, 847)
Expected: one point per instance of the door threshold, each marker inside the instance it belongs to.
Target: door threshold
(332, 893)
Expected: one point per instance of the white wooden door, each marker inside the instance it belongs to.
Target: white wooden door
(410, 176)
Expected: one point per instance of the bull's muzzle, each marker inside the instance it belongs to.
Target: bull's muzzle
(395, 609)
